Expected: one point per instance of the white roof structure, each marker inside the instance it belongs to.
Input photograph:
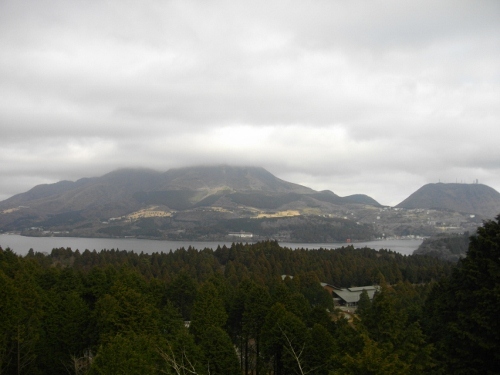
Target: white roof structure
(351, 295)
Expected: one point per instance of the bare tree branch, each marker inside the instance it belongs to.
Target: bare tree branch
(297, 356)
(180, 368)
(80, 365)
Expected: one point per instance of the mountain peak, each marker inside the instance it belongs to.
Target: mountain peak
(469, 198)
(238, 178)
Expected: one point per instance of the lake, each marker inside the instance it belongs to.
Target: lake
(21, 244)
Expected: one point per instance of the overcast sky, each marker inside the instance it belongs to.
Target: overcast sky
(370, 97)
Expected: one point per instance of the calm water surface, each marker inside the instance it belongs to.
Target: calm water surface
(21, 245)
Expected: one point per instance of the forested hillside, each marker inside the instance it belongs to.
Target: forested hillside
(449, 247)
(119, 312)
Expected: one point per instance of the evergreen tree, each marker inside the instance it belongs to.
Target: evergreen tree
(28, 321)
(284, 341)
(220, 355)
(124, 310)
(208, 310)
(64, 311)
(257, 304)
(364, 303)
(373, 359)
(128, 353)
(182, 292)
(235, 319)
(319, 353)
(65, 331)
(387, 325)
(181, 356)
(9, 308)
(463, 312)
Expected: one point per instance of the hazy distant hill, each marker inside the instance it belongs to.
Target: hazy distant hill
(361, 199)
(470, 198)
(118, 186)
(122, 185)
(184, 201)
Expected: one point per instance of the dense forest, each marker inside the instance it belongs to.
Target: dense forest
(230, 311)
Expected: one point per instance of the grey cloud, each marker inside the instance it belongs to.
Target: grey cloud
(354, 97)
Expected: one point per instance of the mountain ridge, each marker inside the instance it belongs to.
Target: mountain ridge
(210, 202)
(124, 183)
(192, 201)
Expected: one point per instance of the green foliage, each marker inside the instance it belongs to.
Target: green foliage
(208, 310)
(319, 351)
(372, 360)
(310, 287)
(125, 309)
(182, 292)
(129, 353)
(119, 311)
(23, 312)
(285, 337)
(9, 309)
(181, 356)
(462, 311)
(220, 355)
(390, 331)
(364, 303)
(66, 326)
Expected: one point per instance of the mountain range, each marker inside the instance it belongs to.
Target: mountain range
(214, 202)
